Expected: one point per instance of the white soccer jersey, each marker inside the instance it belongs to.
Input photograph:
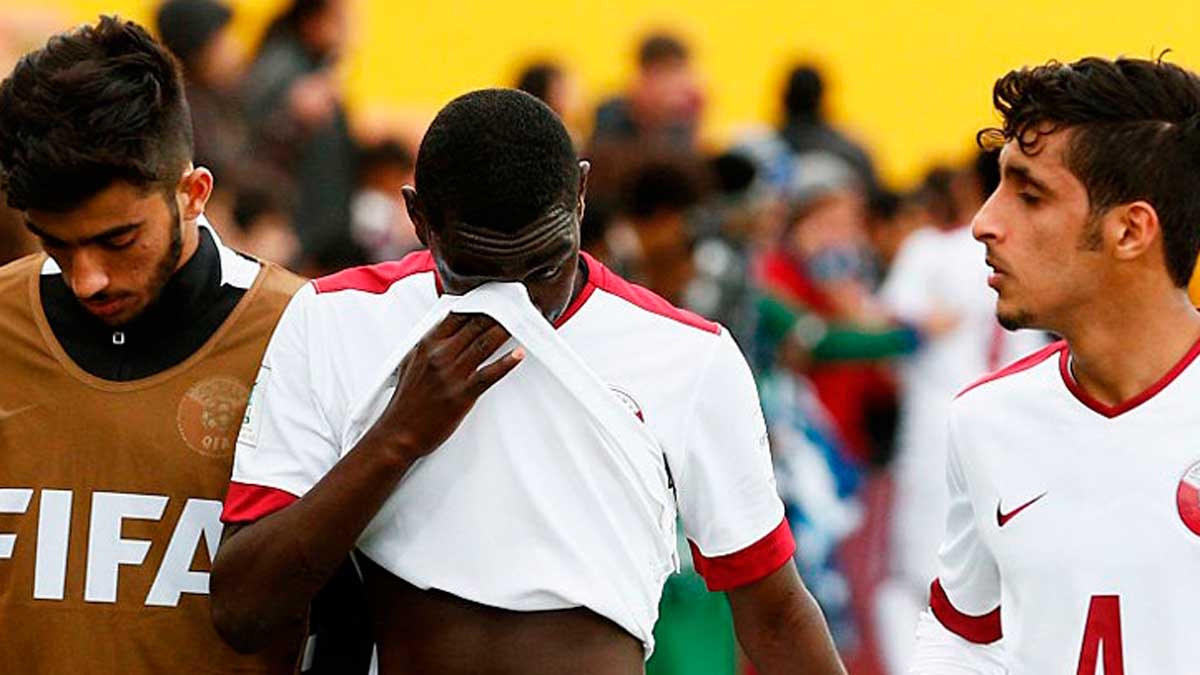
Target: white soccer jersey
(682, 376)
(1074, 527)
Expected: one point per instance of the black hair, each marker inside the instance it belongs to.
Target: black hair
(1135, 135)
(96, 105)
(660, 185)
(987, 171)
(660, 48)
(289, 21)
(537, 78)
(733, 172)
(803, 94)
(497, 159)
(385, 153)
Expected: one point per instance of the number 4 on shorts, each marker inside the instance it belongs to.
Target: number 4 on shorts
(1102, 632)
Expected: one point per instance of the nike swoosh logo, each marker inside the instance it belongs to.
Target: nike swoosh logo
(1003, 518)
(5, 414)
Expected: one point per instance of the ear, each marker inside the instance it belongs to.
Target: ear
(1135, 230)
(413, 203)
(195, 187)
(585, 168)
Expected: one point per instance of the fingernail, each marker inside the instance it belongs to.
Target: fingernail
(518, 353)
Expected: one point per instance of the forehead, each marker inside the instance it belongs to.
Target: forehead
(474, 251)
(118, 204)
(1045, 161)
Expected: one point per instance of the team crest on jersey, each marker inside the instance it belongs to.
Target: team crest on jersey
(626, 399)
(1188, 499)
(210, 415)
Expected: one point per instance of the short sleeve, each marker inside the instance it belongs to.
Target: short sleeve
(965, 597)
(285, 444)
(728, 502)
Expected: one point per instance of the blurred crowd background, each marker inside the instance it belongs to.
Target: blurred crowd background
(803, 173)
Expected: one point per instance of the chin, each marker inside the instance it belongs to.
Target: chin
(1015, 318)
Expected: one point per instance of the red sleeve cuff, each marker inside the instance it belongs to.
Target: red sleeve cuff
(245, 503)
(981, 630)
(726, 572)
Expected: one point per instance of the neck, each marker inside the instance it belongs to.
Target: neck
(191, 241)
(1123, 346)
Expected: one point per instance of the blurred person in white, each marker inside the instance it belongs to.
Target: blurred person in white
(379, 221)
(1073, 528)
(938, 270)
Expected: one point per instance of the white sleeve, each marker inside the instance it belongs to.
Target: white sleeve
(940, 652)
(965, 597)
(725, 487)
(286, 443)
(906, 290)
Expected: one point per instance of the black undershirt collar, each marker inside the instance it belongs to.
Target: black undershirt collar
(193, 305)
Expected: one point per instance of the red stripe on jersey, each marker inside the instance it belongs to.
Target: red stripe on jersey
(606, 280)
(246, 503)
(981, 630)
(1024, 363)
(1064, 368)
(727, 572)
(376, 278)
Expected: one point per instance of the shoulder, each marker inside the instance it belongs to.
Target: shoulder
(376, 279)
(632, 302)
(1016, 373)
(18, 271)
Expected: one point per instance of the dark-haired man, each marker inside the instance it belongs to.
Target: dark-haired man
(1074, 474)
(127, 356)
(484, 554)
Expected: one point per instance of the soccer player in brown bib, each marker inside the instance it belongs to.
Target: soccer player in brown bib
(127, 353)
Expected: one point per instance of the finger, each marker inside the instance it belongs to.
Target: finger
(476, 325)
(479, 349)
(448, 326)
(485, 377)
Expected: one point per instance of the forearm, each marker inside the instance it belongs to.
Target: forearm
(266, 573)
(851, 343)
(781, 628)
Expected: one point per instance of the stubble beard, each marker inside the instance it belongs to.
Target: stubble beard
(167, 265)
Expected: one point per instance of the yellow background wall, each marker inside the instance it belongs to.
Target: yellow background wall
(912, 79)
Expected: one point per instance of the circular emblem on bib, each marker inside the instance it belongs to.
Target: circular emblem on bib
(1188, 499)
(210, 415)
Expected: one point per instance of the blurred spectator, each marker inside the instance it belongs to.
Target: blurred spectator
(380, 222)
(197, 32)
(656, 202)
(555, 87)
(890, 219)
(298, 121)
(20, 32)
(938, 270)
(805, 129)
(821, 265)
(662, 107)
(262, 220)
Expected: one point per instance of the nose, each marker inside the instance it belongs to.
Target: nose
(986, 226)
(87, 275)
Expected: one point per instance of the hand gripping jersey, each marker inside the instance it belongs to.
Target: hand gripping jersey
(1074, 527)
(484, 521)
(110, 492)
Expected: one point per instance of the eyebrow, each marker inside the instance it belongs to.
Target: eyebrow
(110, 233)
(1023, 174)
